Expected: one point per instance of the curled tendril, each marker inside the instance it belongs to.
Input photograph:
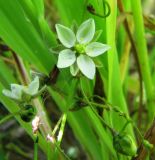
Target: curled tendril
(107, 12)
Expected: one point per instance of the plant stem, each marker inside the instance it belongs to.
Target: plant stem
(60, 134)
(36, 148)
(49, 151)
(62, 127)
(94, 111)
(57, 126)
(21, 68)
(45, 129)
(143, 53)
(150, 136)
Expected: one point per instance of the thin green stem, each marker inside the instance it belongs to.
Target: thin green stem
(62, 127)
(49, 151)
(57, 126)
(36, 148)
(116, 109)
(62, 152)
(91, 9)
(60, 135)
(94, 111)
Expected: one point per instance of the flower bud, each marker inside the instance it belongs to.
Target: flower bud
(124, 144)
(50, 138)
(35, 124)
(147, 145)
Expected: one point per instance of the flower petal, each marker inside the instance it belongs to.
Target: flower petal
(65, 35)
(74, 69)
(9, 94)
(95, 49)
(86, 65)
(86, 31)
(16, 89)
(66, 58)
(33, 86)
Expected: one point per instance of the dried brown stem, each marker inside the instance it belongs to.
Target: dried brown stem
(150, 136)
(21, 68)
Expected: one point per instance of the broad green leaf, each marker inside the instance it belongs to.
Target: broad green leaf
(5, 73)
(74, 69)
(86, 66)
(39, 6)
(66, 58)
(65, 35)
(86, 31)
(95, 49)
(21, 35)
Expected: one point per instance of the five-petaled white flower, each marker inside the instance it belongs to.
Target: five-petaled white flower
(21, 93)
(80, 48)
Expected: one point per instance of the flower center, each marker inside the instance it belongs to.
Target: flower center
(80, 48)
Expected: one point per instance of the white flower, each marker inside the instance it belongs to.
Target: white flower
(79, 48)
(20, 92)
(35, 124)
(50, 138)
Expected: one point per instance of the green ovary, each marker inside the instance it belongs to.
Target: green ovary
(80, 48)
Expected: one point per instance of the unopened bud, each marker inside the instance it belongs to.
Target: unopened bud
(147, 145)
(124, 144)
(50, 138)
(35, 124)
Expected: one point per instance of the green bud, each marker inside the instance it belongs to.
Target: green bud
(124, 144)
(147, 144)
(80, 48)
(28, 113)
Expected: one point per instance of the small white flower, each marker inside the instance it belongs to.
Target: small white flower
(79, 48)
(20, 92)
(35, 124)
(50, 138)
